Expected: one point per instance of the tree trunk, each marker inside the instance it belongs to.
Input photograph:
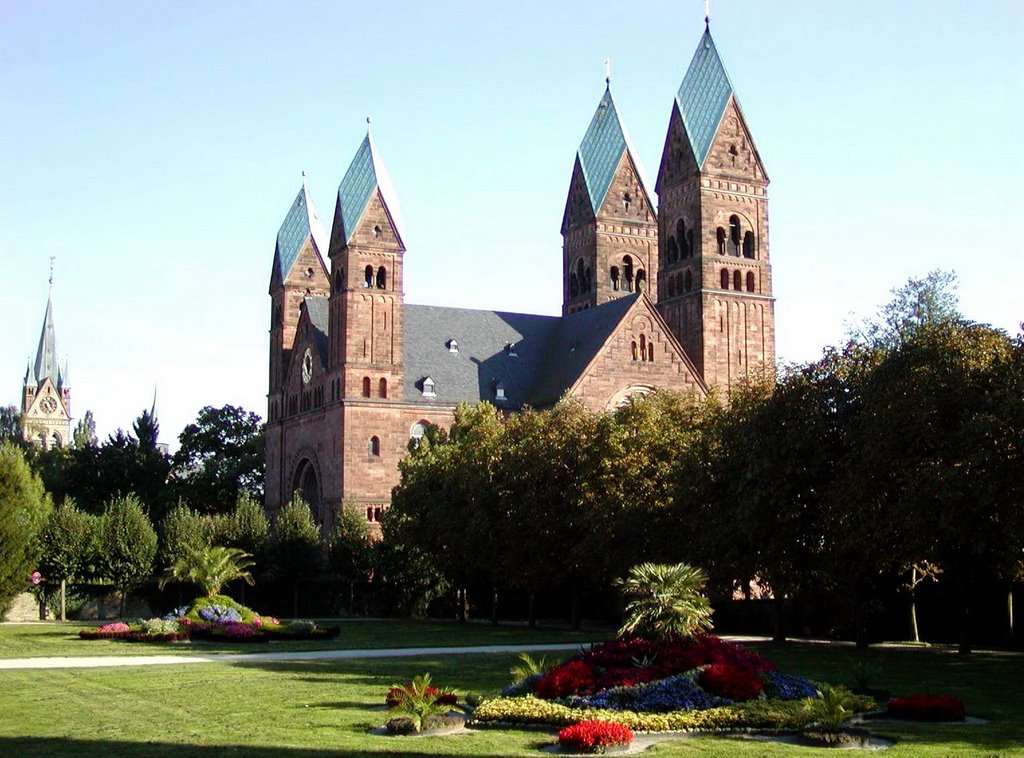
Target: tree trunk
(532, 611)
(963, 585)
(494, 605)
(124, 600)
(464, 606)
(1009, 613)
(913, 605)
(779, 618)
(64, 604)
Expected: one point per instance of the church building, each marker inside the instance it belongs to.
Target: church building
(46, 394)
(677, 295)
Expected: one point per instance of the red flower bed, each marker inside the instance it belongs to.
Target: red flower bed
(726, 680)
(927, 708)
(570, 678)
(446, 698)
(594, 736)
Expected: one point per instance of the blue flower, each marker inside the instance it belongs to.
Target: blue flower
(219, 614)
(788, 686)
(676, 693)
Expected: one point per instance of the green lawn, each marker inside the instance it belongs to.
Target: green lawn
(326, 707)
(56, 639)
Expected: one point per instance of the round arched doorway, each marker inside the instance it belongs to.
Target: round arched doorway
(307, 485)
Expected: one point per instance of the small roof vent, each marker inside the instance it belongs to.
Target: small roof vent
(428, 387)
(453, 346)
(510, 348)
(499, 391)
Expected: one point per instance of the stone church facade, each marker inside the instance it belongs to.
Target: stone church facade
(676, 297)
(46, 393)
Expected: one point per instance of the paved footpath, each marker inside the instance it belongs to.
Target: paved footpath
(107, 661)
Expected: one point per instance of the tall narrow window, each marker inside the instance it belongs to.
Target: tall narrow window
(581, 275)
(382, 278)
(737, 280)
(689, 243)
(366, 386)
(684, 247)
(734, 234)
(615, 278)
(687, 281)
(673, 250)
(641, 280)
(725, 279)
(574, 286)
(627, 272)
(643, 347)
(382, 388)
(720, 240)
(339, 279)
(750, 281)
(586, 284)
(368, 277)
(626, 200)
(748, 245)
(633, 349)
(650, 352)
(671, 286)
(374, 446)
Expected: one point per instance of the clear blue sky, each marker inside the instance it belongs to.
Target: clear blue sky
(155, 148)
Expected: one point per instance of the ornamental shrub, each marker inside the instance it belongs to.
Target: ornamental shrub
(788, 686)
(925, 707)
(732, 682)
(665, 601)
(24, 508)
(594, 736)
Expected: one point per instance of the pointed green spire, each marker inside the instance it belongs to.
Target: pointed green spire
(703, 97)
(366, 174)
(46, 354)
(301, 224)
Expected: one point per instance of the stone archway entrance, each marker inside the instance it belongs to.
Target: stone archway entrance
(306, 484)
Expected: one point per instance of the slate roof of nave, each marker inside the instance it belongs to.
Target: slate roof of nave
(703, 96)
(601, 150)
(535, 358)
(301, 223)
(366, 174)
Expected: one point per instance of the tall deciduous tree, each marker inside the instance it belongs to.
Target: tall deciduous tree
(295, 544)
(85, 431)
(69, 548)
(350, 550)
(220, 458)
(128, 544)
(10, 423)
(24, 508)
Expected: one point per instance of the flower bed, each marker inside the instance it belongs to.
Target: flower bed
(925, 707)
(594, 736)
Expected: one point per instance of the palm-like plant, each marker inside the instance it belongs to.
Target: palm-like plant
(210, 568)
(419, 701)
(665, 600)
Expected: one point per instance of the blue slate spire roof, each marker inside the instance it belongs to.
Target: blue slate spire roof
(301, 223)
(602, 148)
(365, 175)
(703, 96)
(46, 365)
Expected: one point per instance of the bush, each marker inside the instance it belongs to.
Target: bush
(594, 736)
(181, 532)
(924, 707)
(665, 601)
(127, 543)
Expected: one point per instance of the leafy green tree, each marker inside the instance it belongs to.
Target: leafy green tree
(220, 458)
(210, 568)
(665, 601)
(182, 532)
(85, 431)
(350, 550)
(128, 544)
(24, 509)
(295, 545)
(70, 545)
(10, 423)
(247, 527)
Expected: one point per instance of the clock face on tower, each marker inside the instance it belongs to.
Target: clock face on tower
(307, 366)
(47, 405)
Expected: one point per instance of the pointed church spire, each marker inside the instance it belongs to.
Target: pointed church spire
(46, 353)
(152, 409)
(367, 174)
(703, 96)
(301, 224)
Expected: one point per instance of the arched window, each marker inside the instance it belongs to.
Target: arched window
(369, 514)
(737, 280)
(626, 200)
(416, 434)
(671, 286)
(689, 243)
(581, 275)
(720, 239)
(339, 279)
(574, 285)
(643, 347)
(750, 281)
(684, 246)
(383, 387)
(687, 281)
(366, 386)
(586, 284)
(633, 350)
(673, 250)
(734, 234)
(615, 278)
(641, 280)
(725, 279)
(374, 446)
(368, 277)
(382, 278)
(748, 245)
(627, 272)
(650, 353)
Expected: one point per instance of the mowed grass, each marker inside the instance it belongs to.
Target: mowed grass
(61, 639)
(327, 707)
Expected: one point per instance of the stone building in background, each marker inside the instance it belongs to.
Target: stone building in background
(46, 394)
(679, 297)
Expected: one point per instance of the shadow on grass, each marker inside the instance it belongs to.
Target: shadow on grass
(49, 746)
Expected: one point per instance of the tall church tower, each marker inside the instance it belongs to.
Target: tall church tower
(609, 228)
(46, 395)
(299, 270)
(715, 284)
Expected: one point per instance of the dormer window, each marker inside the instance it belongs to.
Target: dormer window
(428, 387)
(499, 391)
(453, 346)
(510, 349)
